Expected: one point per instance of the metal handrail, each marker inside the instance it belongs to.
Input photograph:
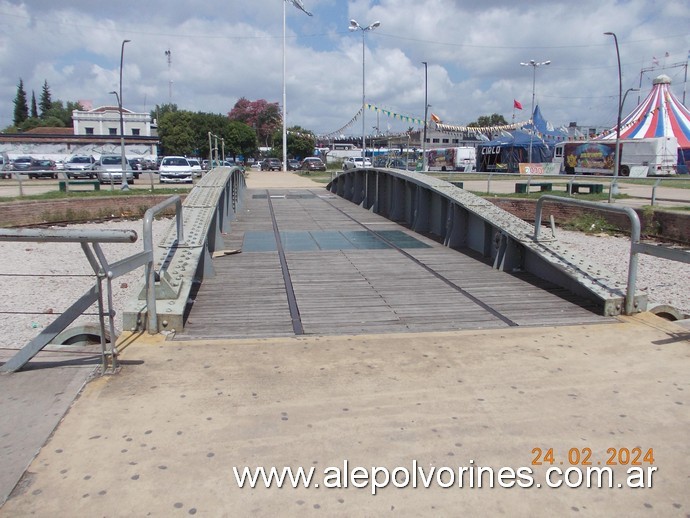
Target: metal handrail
(103, 271)
(635, 246)
(150, 276)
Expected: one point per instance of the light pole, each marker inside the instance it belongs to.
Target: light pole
(617, 158)
(534, 65)
(124, 186)
(426, 108)
(353, 27)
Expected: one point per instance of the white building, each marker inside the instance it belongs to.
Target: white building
(106, 121)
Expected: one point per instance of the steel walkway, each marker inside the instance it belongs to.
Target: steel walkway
(340, 269)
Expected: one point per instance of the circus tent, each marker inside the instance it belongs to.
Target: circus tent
(660, 114)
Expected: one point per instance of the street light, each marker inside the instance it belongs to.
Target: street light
(426, 108)
(534, 65)
(617, 158)
(353, 27)
(124, 186)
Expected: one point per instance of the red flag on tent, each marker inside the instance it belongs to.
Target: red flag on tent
(516, 104)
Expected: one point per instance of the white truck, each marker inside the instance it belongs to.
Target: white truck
(639, 157)
(451, 159)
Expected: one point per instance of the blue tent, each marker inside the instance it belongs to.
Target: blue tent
(545, 129)
(505, 153)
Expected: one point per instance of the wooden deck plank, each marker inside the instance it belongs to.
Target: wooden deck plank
(360, 290)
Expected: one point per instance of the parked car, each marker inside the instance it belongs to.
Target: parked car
(293, 164)
(80, 166)
(356, 161)
(313, 164)
(175, 169)
(135, 164)
(271, 164)
(196, 166)
(21, 163)
(6, 166)
(108, 169)
(41, 168)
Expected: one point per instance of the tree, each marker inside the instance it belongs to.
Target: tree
(491, 120)
(61, 112)
(240, 139)
(46, 102)
(261, 115)
(160, 110)
(175, 131)
(34, 110)
(300, 143)
(21, 109)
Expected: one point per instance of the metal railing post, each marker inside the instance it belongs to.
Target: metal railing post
(634, 236)
(151, 315)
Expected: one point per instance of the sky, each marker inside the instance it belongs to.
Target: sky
(205, 55)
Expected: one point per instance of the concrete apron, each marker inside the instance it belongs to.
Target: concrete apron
(163, 435)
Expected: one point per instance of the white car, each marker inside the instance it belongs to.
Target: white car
(196, 166)
(175, 169)
(108, 169)
(356, 161)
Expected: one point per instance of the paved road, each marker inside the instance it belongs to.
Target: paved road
(639, 194)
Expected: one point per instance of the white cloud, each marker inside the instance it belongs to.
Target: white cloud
(222, 50)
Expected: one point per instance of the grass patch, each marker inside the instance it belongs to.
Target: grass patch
(591, 224)
(677, 184)
(600, 196)
(317, 176)
(103, 193)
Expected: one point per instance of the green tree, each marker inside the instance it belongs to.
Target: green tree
(34, 110)
(160, 110)
(300, 143)
(46, 102)
(60, 112)
(490, 120)
(240, 139)
(21, 108)
(176, 134)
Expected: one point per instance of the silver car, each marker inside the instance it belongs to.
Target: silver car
(108, 169)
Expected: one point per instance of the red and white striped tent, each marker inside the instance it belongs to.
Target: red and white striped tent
(660, 114)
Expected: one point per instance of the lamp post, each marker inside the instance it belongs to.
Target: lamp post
(124, 185)
(617, 158)
(534, 65)
(426, 108)
(353, 27)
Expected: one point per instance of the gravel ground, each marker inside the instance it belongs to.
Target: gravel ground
(666, 282)
(42, 288)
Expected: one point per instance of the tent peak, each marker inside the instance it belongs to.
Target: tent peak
(662, 79)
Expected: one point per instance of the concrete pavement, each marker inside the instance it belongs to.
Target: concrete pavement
(163, 435)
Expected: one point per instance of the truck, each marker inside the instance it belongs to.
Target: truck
(451, 159)
(639, 157)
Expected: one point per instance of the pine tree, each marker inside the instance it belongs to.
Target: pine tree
(21, 109)
(34, 110)
(46, 102)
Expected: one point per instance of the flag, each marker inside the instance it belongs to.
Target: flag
(299, 5)
(435, 118)
(655, 61)
(516, 104)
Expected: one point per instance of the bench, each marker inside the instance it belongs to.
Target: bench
(592, 188)
(522, 187)
(95, 183)
(458, 184)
